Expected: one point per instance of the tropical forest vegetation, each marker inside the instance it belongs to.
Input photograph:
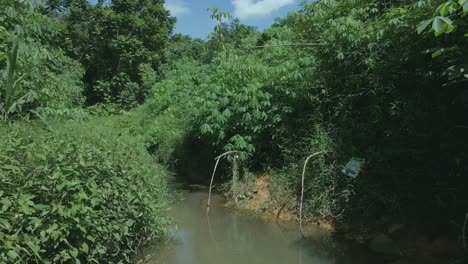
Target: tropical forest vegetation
(103, 108)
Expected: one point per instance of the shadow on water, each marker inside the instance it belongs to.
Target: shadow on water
(225, 236)
(328, 248)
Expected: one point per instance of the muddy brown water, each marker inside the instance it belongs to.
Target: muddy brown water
(226, 236)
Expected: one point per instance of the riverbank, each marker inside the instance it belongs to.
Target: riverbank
(401, 242)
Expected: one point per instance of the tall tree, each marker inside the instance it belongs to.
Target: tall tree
(112, 41)
(35, 75)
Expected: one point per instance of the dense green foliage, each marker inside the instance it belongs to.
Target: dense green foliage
(380, 80)
(449, 17)
(359, 82)
(83, 191)
(86, 192)
(115, 42)
(36, 74)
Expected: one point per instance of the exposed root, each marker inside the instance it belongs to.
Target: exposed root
(280, 211)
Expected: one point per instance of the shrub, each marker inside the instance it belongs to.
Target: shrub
(35, 74)
(83, 193)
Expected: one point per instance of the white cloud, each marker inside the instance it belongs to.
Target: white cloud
(176, 7)
(258, 8)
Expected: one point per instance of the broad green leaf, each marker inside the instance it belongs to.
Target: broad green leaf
(12, 254)
(437, 53)
(447, 20)
(85, 247)
(73, 252)
(438, 25)
(5, 223)
(423, 25)
(443, 10)
(450, 28)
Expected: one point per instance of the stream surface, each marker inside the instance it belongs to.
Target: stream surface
(226, 236)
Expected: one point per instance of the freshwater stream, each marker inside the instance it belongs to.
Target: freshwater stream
(226, 236)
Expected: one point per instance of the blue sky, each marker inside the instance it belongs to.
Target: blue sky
(193, 18)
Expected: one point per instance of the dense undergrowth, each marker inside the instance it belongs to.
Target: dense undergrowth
(353, 78)
(94, 97)
(75, 185)
(361, 82)
(84, 192)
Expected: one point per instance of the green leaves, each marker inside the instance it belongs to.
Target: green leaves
(464, 4)
(448, 17)
(78, 194)
(36, 74)
(12, 82)
(85, 248)
(437, 53)
(206, 129)
(73, 252)
(440, 25)
(219, 18)
(457, 71)
(423, 25)
(123, 37)
(12, 254)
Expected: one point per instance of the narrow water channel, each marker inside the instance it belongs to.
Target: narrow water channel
(226, 236)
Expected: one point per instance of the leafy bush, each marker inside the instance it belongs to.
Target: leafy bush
(112, 41)
(377, 91)
(160, 135)
(449, 18)
(359, 82)
(83, 193)
(36, 75)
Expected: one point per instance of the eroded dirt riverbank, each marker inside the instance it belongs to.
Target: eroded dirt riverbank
(415, 242)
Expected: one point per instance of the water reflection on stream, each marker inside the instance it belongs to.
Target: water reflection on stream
(229, 237)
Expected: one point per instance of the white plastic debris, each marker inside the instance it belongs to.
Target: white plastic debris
(353, 167)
